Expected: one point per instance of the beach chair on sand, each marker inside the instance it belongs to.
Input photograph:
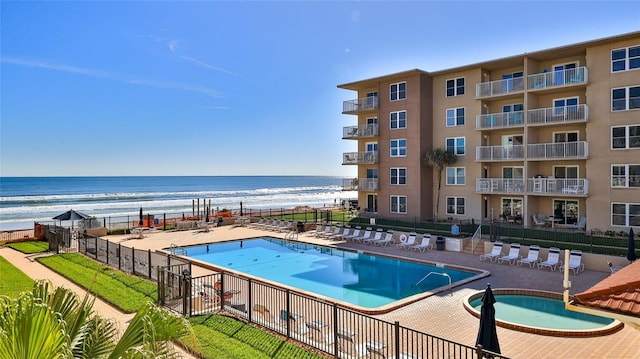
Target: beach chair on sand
(553, 259)
(575, 261)
(496, 252)
(406, 242)
(532, 258)
(513, 256)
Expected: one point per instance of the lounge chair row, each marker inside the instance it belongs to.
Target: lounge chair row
(357, 234)
(533, 259)
(273, 225)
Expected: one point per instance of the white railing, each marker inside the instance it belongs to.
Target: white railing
(558, 150)
(498, 120)
(361, 104)
(499, 87)
(360, 158)
(553, 115)
(565, 186)
(370, 130)
(500, 153)
(500, 185)
(566, 77)
(360, 184)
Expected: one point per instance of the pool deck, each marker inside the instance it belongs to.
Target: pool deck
(441, 315)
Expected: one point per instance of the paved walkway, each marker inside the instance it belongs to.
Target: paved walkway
(442, 315)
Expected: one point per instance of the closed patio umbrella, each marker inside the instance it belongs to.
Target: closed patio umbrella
(141, 218)
(631, 250)
(487, 333)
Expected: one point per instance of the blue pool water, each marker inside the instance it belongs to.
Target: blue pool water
(361, 279)
(541, 312)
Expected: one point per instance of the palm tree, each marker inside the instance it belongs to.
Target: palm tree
(56, 324)
(438, 159)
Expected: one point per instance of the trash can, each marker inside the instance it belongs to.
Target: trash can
(440, 243)
(300, 227)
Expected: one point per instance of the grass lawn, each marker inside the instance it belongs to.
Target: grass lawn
(124, 291)
(14, 281)
(30, 247)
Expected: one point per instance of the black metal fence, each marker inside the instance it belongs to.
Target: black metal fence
(326, 326)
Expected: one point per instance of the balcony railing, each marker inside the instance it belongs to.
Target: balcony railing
(355, 132)
(360, 158)
(500, 185)
(557, 115)
(360, 184)
(564, 186)
(360, 105)
(500, 153)
(558, 150)
(568, 77)
(499, 87)
(500, 120)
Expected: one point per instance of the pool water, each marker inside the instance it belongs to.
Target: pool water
(361, 279)
(541, 312)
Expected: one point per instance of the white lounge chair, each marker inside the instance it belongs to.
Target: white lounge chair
(376, 237)
(575, 261)
(356, 233)
(424, 244)
(539, 219)
(318, 231)
(257, 224)
(532, 258)
(335, 232)
(388, 240)
(496, 252)
(513, 256)
(345, 232)
(365, 236)
(553, 259)
(613, 268)
(326, 231)
(406, 242)
(580, 225)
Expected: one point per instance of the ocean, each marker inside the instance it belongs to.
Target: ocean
(24, 200)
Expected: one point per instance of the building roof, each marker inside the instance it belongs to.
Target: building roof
(619, 293)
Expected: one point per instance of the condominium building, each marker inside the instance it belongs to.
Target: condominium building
(553, 134)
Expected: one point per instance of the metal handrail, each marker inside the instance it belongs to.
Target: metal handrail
(438, 273)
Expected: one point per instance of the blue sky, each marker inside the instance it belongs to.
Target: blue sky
(237, 88)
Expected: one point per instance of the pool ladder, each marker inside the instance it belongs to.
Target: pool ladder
(174, 249)
(437, 273)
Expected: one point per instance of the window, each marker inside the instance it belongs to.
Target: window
(625, 59)
(565, 172)
(455, 205)
(455, 116)
(372, 100)
(398, 176)
(398, 120)
(455, 87)
(625, 137)
(512, 206)
(455, 176)
(398, 91)
(455, 145)
(565, 137)
(625, 98)
(625, 176)
(398, 148)
(514, 113)
(398, 204)
(625, 214)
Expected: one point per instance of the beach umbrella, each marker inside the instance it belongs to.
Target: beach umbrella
(487, 333)
(71, 215)
(631, 250)
(141, 218)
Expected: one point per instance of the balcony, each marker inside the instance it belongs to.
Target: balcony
(558, 186)
(500, 185)
(555, 79)
(500, 153)
(500, 120)
(360, 158)
(360, 184)
(366, 104)
(558, 115)
(558, 150)
(500, 87)
(356, 132)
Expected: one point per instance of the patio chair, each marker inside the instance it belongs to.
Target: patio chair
(553, 259)
(532, 258)
(613, 268)
(388, 240)
(376, 237)
(575, 261)
(326, 231)
(539, 219)
(335, 232)
(496, 252)
(365, 236)
(345, 232)
(424, 244)
(513, 256)
(406, 242)
(356, 233)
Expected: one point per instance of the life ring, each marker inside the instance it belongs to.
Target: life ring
(403, 238)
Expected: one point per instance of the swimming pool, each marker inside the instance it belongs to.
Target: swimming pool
(356, 278)
(541, 313)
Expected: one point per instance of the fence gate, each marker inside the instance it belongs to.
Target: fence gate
(174, 288)
(61, 239)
